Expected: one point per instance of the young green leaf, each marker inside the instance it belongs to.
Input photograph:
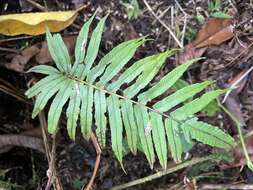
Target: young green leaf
(54, 47)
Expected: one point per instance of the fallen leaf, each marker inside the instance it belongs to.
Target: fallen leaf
(238, 154)
(19, 61)
(214, 32)
(35, 23)
(40, 52)
(190, 52)
(44, 56)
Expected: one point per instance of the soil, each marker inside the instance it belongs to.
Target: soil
(24, 168)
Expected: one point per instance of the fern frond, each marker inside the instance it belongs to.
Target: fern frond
(94, 91)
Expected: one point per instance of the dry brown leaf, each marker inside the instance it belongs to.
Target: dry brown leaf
(19, 61)
(35, 23)
(239, 155)
(41, 53)
(190, 52)
(214, 32)
(44, 56)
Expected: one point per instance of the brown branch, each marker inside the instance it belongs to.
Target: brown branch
(22, 140)
(98, 151)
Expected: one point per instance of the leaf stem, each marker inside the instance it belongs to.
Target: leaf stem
(238, 125)
(119, 96)
(166, 172)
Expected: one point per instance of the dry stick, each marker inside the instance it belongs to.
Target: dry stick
(239, 55)
(50, 155)
(170, 31)
(14, 93)
(185, 21)
(233, 86)
(37, 5)
(226, 186)
(98, 151)
(166, 172)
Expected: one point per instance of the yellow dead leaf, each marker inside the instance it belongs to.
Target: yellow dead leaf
(35, 23)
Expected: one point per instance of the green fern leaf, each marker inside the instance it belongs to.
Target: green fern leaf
(115, 55)
(93, 91)
(116, 126)
(118, 64)
(208, 134)
(48, 91)
(54, 46)
(159, 138)
(73, 110)
(196, 105)
(180, 96)
(165, 83)
(174, 139)
(86, 94)
(130, 125)
(93, 47)
(39, 86)
(100, 109)
(81, 42)
(147, 75)
(144, 125)
(56, 107)
(44, 69)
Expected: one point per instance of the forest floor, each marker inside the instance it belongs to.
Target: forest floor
(228, 60)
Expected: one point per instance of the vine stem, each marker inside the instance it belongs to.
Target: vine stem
(166, 172)
(238, 125)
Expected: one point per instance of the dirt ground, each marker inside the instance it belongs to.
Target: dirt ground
(25, 168)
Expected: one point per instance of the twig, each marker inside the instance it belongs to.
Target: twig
(98, 151)
(37, 5)
(10, 50)
(226, 186)
(166, 172)
(185, 22)
(14, 94)
(50, 155)
(170, 31)
(234, 84)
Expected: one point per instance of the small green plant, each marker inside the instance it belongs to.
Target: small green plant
(214, 8)
(91, 94)
(132, 9)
